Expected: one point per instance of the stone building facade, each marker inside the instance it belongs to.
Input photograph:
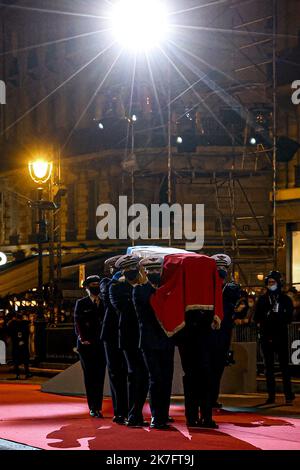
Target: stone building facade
(219, 169)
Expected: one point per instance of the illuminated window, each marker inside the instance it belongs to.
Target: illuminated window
(296, 258)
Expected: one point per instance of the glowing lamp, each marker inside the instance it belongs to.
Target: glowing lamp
(40, 171)
(3, 258)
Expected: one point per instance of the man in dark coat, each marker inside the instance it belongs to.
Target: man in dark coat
(221, 338)
(120, 294)
(273, 313)
(157, 348)
(88, 319)
(116, 364)
(18, 330)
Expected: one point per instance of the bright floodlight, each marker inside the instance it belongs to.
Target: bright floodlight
(139, 24)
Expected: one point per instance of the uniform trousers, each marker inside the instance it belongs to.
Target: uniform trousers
(160, 364)
(138, 383)
(93, 363)
(21, 356)
(195, 353)
(220, 345)
(117, 372)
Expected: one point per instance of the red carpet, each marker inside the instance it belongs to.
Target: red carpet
(56, 422)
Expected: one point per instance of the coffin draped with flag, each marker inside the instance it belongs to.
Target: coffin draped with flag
(189, 282)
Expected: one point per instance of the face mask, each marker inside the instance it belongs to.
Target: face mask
(222, 273)
(154, 278)
(273, 288)
(94, 290)
(131, 275)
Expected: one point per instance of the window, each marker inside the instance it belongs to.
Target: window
(92, 207)
(71, 231)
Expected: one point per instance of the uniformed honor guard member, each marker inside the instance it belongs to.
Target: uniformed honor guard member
(221, 339)
(88, 319)
(157, 348)
(18, 329)
(115, 360)
(194, 345)
(120, 294)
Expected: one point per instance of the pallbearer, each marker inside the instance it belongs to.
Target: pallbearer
(120, 294)
(115, 359)
(221, 339)
(188, 304)
(157, 348)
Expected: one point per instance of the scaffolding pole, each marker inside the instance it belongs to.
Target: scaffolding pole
(274, 5)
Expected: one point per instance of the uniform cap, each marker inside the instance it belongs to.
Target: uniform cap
(127, 261)
(152, 263)
(110, 263)
(222, 260)
(90, 279)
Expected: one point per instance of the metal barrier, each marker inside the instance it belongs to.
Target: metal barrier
(249, 333)
(61, 341)
(2, 352)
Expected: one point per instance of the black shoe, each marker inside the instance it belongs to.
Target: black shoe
(119, 420)
(208, 423)
(217, 405)
(96, 414)
(132, 423)
(289, 402)
(161, 426)
(29, 375)
(270, 401)
(18, 377)
(193, 423)
(290, 399)
(170, 419)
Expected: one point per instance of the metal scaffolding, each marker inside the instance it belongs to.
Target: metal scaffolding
(253, 43)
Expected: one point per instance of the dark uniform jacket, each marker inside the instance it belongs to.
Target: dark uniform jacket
(152, 335)
(231, 295)
(110, 328)
(221, 338)
(19, 333)
(273, 325)
(120, 295)
(88, 319)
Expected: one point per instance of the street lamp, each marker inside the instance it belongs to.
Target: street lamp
(40, 172)
(3, 259)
